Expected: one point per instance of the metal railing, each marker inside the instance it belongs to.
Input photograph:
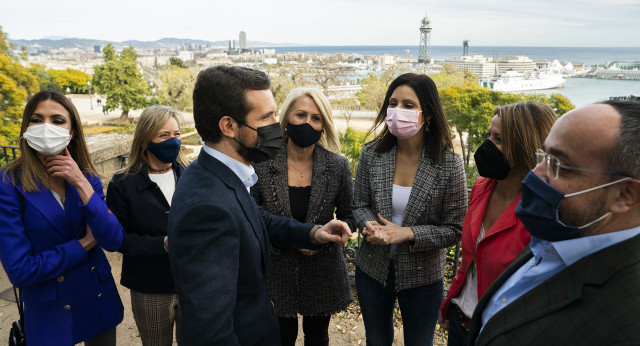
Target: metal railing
(9, 153)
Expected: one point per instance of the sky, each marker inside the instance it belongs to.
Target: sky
(545, 23)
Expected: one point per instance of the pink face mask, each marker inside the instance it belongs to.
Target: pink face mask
(403, 123)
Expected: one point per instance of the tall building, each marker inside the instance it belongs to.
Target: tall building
(243, 40)
(425, 41)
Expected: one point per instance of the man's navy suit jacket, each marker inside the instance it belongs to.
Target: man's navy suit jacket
(219, 252)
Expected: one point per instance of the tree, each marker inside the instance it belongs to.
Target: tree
(284, 78)
(374, 88)
(347, 105)
(469, 110)
(449, 76)
(121, 80)
(44, 79)
(17, 84)
(175, 61)
(75, 80)
(176, 87)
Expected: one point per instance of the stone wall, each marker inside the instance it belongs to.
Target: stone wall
(109, 152)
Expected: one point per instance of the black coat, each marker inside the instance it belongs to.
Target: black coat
(143, 212)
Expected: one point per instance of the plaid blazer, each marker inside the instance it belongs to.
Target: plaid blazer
(595, 301)
(315, 285)
(437, 205)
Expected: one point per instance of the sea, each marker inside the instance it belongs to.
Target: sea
(581, 91)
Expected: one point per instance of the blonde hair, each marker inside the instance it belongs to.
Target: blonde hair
(33, 173)
(524, 126)
(149, 124)
(329, 139)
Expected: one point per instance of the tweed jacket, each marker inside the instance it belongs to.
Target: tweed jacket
(315, 285)
(595, 301)
(437, 205)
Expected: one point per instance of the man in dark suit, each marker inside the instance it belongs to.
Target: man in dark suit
(219, 239)
(579, 281)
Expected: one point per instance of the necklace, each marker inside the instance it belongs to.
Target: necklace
(301, 171)
(160, 170)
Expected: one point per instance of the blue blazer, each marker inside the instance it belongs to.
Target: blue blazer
(219, 252)
(69, 295)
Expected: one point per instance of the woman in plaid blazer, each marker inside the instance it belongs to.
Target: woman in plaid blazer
(409, 201)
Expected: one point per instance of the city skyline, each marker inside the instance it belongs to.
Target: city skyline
(356, 22)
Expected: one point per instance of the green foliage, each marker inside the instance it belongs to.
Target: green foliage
(374, 88)
(44, 79)
(175, 87)
(450, 76)
(193, 139)
(17, 84)
(351, 142)
(469, 109)
(121, 80)
(5, 45)
(175, 61)
(284, 78)
(75, 80)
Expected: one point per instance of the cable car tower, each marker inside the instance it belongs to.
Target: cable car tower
(425, 41)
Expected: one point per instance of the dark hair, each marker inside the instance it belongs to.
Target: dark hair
(627, 148)
(29, 164)
(437, 135)
(219, 92)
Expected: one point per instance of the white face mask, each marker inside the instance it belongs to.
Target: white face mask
(47, 139)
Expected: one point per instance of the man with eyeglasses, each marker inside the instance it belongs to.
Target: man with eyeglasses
(578, 283)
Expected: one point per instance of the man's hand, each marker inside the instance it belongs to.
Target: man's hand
(334, 231)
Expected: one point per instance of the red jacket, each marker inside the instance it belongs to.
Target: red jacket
(499, 247)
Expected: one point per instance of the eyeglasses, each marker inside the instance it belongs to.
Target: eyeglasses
(554, 166)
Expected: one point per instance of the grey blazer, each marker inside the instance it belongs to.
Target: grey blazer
(437, 205)
(315, 285)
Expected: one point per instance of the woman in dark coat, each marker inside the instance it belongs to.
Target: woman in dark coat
(140, 196)
(308, 181)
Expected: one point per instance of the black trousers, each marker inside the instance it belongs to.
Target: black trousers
(315, 328)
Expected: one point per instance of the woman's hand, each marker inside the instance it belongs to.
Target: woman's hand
(307, 252)
(375, 234)
(88, 241)
(63, 166)
(395, 233)
(444, 324)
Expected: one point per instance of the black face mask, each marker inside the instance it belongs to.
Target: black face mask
(269, 142)
(303, 135)
(491, 162)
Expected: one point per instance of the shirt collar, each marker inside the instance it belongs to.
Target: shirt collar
(572, 250)
(245, 173)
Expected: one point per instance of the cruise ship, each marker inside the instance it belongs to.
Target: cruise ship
(513, 81)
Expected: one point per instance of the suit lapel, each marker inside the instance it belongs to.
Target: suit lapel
(247, 203)
(423, 184)
(556, 292)
(319, 184)
(280, 181)
(383, 181)
(49, 208)
(476, 321)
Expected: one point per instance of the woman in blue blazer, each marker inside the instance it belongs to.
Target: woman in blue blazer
(55, 222)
